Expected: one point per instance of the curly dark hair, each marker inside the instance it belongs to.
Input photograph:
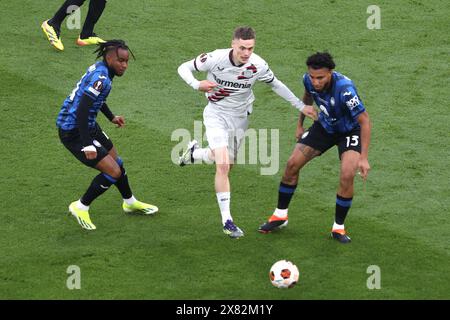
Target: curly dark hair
(320, 60)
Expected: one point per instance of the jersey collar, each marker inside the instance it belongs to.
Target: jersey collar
(230, 55)
(111, 73)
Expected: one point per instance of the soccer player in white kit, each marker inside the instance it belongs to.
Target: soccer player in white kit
(231, 74)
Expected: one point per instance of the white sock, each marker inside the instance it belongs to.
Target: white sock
(130, 201)
(281, 213)
(338, 226)
(202, 154)
(82, 206)
(223, 199)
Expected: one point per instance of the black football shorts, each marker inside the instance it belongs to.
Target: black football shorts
(318, 138)
(72, 141)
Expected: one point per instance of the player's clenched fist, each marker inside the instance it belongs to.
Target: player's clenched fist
(207, 86)
(310, 112)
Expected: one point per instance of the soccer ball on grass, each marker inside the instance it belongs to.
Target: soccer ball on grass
(284, 274)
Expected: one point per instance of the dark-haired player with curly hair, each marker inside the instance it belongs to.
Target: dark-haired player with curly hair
(343, 122)
(82, 136)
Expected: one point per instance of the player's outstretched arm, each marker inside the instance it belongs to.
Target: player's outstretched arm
(283, 91)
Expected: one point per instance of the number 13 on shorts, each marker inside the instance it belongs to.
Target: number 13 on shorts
(352, 141)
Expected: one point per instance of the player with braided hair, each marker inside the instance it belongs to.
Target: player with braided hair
(105, 47)
(83, 137)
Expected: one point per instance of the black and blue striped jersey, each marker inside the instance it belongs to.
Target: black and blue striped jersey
(95, 83)
(339, 106)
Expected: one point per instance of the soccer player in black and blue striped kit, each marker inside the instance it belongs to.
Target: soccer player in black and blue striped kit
(344, 122)
(83, 137)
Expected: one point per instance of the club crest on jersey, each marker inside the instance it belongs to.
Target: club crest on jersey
(248, 72)
(324, 110)
(203, 57)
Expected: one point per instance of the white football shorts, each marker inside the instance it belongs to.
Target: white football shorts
(223, 130)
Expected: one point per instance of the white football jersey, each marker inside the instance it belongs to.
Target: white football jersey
(233, 95)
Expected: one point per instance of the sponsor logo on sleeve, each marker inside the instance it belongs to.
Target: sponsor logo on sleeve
(353, 102)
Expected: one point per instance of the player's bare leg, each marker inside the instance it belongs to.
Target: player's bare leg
(130, 203)
(113, 153)
(349, 166)
(222, 187)
(300, 156)
(109, 166)
(221, 181)
(80, 208)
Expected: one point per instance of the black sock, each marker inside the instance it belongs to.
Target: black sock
(98, 186)
(285, 193)
(123, 185)
(62, 13)
(96, 8)
(342, 207)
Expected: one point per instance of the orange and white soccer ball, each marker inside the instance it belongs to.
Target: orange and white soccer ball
(284, 274)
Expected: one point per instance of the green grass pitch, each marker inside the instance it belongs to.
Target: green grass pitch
(399, 222)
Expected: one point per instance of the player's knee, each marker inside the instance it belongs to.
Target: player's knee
(116, 172)
(347, 176)
(223, 169)
(292, 167)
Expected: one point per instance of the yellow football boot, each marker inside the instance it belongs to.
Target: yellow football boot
(89, 41)
(82, 217)
(52, 36)
(140, 207)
